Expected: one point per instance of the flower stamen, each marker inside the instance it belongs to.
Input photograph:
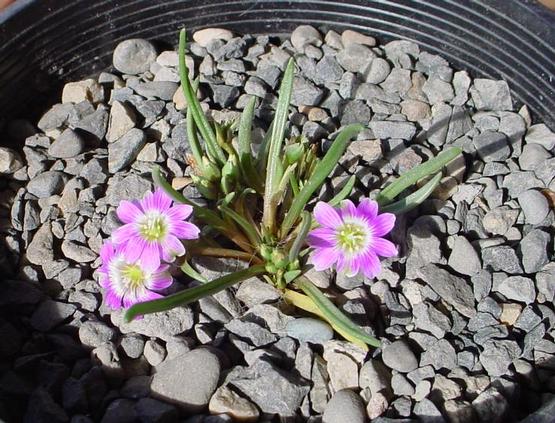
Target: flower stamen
(153, 227)
(351, 237)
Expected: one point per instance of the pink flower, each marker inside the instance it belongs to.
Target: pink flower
(351, 238)
(153, 229)
(127, 281)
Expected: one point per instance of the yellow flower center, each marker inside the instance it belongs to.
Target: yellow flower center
(153, 227)
(133, 275)
(351, 237)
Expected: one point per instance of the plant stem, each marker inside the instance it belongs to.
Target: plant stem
(193, 294)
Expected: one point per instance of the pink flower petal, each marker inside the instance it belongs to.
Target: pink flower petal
(113, 300)
(129, 211)
(326, 215)
(157, 201)
(383, 224)
(347, 209)
(159, 281)
(125, 233)
(106, 252)
(322, 238)
(368, 208)
(323, 258)
(370, 264)
(179, 212)
(352, 267)
(185, 230)
(172, 247)
(150, 257)
(133, 249)
(383, 247)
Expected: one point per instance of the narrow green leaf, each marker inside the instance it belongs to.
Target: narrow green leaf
(250, 174)
(321, 172)
(192, 103)
(291, 275)
(304, 227)
(276, 141)
(244, 224)
(333, 314)
(196, 149)
(415, 199)
(262, 156)
(344, 193)
(283, 183)
(193, 294)
(427, 168)
(192, 273)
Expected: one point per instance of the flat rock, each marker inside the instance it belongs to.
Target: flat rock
(309, 330)
(518, 288)
(489, 94)
(501, 258)
(47, 183)
(542, 135)
(464, 259)
(225, 401)
(304, 35)
(399, 356)
(492, 146)
(533, 250)
(534, 205)
(124, 151)
(452, 289)
(204, 36)
(163, 325)
(345, 406)
(134, 56)
(40, 250)
(498, 355)
(440, 355)
(192, 393)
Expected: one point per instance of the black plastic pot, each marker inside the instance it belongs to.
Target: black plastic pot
(46, 42)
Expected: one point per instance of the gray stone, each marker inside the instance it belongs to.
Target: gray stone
(501, 258)
(136, 387)
(309, 330)
(374, 376)
(498, 355)
(154, 411)
(254, 291)
(164, 90)
(400, 385)
(10, 161)
(252, 332)
(533, 250)
(355, 111)
(390, 129)
(345, 406)
(461, 84)
(132, 345)
(378, 71)
(50, 313)
(40, 250)
(534, 205)
(41, 408)
(355, 58)
(163, 325)
(124, 151)
(430, 319)
(205, 36)
(192, 393)
(517, 182)
(464, 259)
(94, 333)
(154, 352)
(402, 52)
(398, 81)
(492, 146)
(438, 91)
(423, 247)
(452, 289)
(328, 70)
(489, 94)
(78, 253)
(399, 356)
(288, 390)
(226, 402)
(541, 134)
(499, 220)
(532, 156)
(47, 183)
(68, 144)
(224, 95)
(305, 93)
(427, 412)
(304, 35)
(490, 406)
(518, 288)
(544, 283)
(440, 355)
(134, 56)
(120, 411)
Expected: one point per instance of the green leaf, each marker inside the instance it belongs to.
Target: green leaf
(427, 168)
(415, 199)
(306, 221)
(344, 193)
(193, 294)
(250, 174)
(192, 103)
(273, 175)
(321, 172)
(333, 314)
(192, 273)
(244, 224)
(291, 275)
